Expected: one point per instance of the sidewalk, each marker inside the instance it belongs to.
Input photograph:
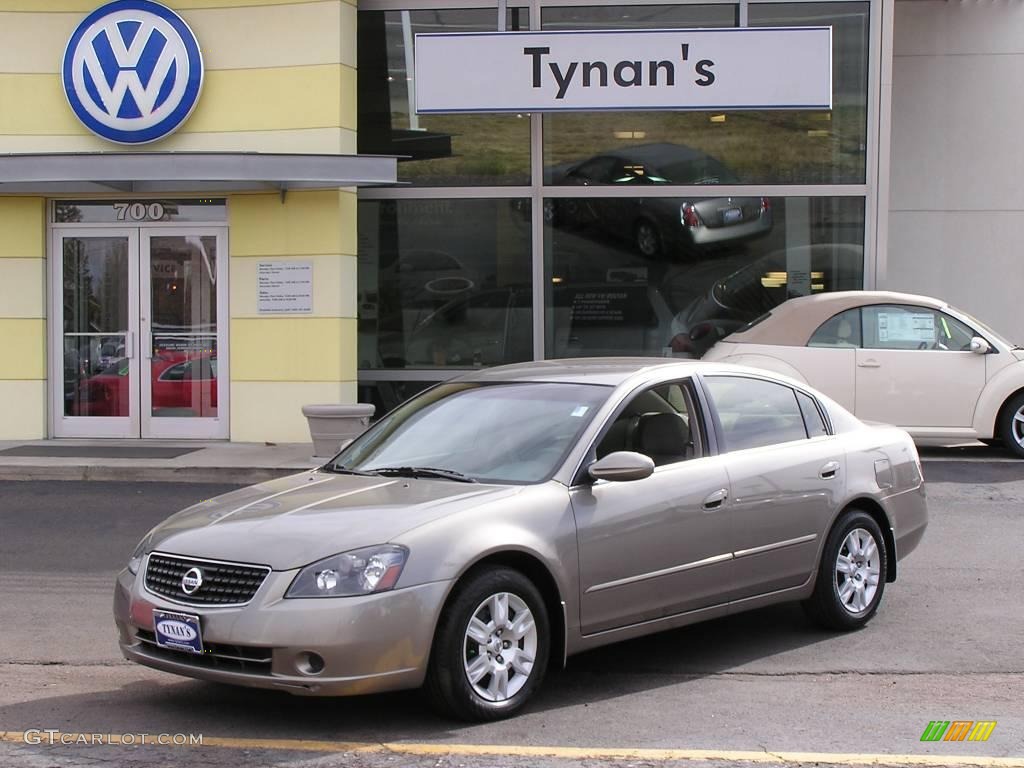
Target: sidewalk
(245, 463)
(152, 460)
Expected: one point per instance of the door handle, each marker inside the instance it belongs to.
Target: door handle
(829, 470)
(716, 499)
(129, 344)
(869, 364)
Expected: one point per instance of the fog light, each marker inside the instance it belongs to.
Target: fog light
(309, 663)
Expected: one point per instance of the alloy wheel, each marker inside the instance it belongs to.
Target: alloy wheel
(858, 571)
(500, 647)
(1017, 427)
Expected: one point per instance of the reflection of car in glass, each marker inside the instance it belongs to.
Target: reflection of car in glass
(658, 225)
(487, 327)
(494, 326)
(497, 523)
(756, 288)
(896, 358)
(426, 273)
(178, 386)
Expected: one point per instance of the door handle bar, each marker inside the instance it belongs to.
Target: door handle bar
(829, 470)
(716, 499)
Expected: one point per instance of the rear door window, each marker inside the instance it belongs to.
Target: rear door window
(755, 412)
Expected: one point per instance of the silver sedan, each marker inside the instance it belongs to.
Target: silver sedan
(502, 521)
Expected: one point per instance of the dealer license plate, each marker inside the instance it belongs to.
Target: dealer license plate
(177, 631)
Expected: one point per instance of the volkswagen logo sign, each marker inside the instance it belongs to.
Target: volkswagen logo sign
(191, 581)
(132, 71)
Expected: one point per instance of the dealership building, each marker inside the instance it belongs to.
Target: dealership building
(213, 212)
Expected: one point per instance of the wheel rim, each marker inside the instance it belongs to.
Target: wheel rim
(1017, 428)
(858, 568)
(647, 239)
(500, 647)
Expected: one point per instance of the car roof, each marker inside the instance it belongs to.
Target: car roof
(794, 321)
(606, 371)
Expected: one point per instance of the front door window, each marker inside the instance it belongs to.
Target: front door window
(96, 282)
(181, 343)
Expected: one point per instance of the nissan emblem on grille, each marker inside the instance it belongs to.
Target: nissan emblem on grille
(191, 581)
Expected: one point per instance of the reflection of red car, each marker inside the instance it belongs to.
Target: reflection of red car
(181, 386)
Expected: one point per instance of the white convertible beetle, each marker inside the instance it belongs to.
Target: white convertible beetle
(912, 361)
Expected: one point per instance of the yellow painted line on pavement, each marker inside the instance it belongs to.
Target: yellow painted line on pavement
(569, 753)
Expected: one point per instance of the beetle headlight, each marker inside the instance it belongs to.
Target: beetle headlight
(359, 572)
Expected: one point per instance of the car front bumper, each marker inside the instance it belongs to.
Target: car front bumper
(368, 644)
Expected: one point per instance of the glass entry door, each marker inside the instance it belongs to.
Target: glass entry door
(96, 302)
(139, 332)
(181, 392)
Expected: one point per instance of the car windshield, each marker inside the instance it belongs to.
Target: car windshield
(516, 432)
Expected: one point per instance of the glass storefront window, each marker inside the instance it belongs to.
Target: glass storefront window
(444, 283)
(771, 147)
(442, 150)
(609, 293)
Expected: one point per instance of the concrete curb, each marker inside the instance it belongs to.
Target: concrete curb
(109, 473)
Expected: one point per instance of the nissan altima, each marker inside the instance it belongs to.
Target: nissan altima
(500, 522)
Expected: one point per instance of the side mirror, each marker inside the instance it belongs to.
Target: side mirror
(621, 466)
(979, 346)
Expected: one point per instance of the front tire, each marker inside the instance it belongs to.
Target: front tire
(1011, 425)
(851, 577)
(491, 647)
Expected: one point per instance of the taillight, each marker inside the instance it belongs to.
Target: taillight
(700, 331)
(680, 343)
(766, 205)
(688, 215)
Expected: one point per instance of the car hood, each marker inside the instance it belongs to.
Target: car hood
(294, 521)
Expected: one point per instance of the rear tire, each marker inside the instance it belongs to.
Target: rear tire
(648, 239)
(490, 648)
(1011, 424)
(851, 576)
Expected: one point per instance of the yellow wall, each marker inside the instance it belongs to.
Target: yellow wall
(280, 363)
(22, 318)
(280, 77)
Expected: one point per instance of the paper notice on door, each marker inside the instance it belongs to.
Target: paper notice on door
(906, 327)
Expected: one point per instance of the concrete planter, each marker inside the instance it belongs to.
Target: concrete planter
(334, 426)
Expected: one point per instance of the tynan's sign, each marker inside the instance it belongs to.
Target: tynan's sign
(132, 71)
(742, 68)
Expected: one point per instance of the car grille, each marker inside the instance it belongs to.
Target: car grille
(233, 658)
(223, 583)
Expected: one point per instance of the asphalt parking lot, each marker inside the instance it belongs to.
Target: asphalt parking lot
(763, 688)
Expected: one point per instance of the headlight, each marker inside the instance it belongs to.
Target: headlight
(360, 572)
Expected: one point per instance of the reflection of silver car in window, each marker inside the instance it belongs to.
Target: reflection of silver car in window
(658, 225)
(487, 327)
(758, 287)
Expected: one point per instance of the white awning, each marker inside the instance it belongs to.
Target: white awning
(180, 172)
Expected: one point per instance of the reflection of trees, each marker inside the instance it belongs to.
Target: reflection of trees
(67, 214)
(81, 304)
